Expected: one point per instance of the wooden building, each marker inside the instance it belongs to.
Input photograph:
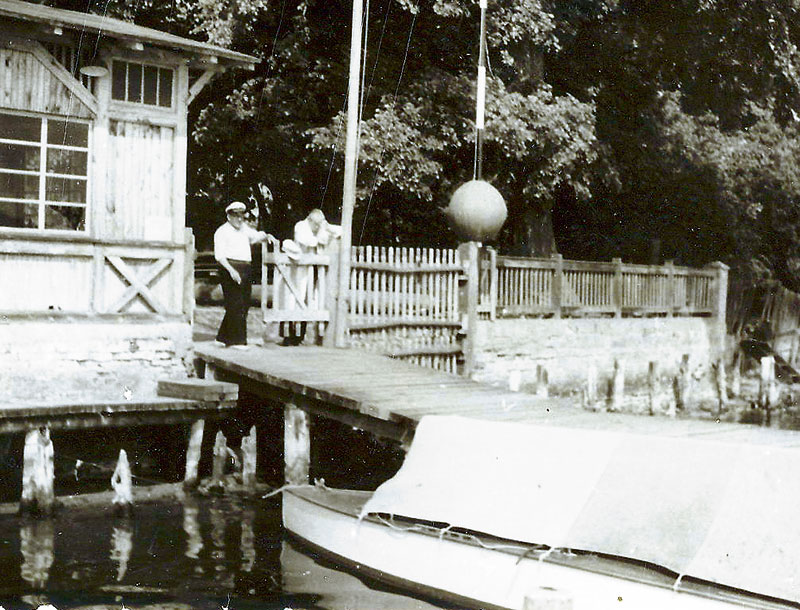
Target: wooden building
(96, 290)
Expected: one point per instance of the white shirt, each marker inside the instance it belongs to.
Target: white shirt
(232, 243)
(305, 237)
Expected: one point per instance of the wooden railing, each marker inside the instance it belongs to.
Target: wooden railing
(557, 287)
(80, 276)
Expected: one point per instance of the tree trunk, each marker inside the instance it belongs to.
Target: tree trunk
(533, 233)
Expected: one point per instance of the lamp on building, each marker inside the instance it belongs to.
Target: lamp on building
(95, 69)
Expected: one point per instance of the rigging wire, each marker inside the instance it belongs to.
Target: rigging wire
(394, 103)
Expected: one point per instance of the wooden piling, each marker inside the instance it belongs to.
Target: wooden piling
(591, 388)
(193, 453)
(682, 385)
(736, 374)
(767, 391)
(542, 382)
(220, 458)
(296, 446)
(721, 386)
(249, 456)
(38, 495)
(122, 484)
(652, 388)
(618, 386)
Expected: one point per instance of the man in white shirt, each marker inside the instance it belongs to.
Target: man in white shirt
(313, 234)
(232, 249)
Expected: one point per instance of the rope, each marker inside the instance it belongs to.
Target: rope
(394, 103)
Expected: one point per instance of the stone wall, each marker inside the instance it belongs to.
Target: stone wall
(568, 347)
(49, 361)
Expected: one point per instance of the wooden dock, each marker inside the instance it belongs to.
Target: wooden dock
(388, 397)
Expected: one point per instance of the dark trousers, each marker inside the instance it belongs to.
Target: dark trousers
(233, 330)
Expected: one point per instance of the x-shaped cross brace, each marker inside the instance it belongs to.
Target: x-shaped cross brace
(138, 284)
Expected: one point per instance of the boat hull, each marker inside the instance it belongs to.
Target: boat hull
(464, 573)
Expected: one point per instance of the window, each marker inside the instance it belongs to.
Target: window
(141, 84)
(44, 170)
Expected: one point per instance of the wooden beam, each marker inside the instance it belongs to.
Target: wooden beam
(62, 74)
(199, 84)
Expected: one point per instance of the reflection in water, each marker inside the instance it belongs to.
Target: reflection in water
(301, 574)
(191, 525)
(248, 540)
(170, 552)
(121, 547)
(36, 542)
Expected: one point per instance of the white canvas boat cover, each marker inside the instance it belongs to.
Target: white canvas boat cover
(724, 513)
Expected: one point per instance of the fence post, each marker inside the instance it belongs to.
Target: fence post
(719, 296)
(469, 253)
(188, 275)
(670, 267)
(332, 290)
(558, 285)
(617, 287)
(493, 278)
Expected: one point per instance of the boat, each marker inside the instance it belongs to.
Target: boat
(515, 516)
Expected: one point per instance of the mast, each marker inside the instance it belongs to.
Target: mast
(481, 96)
(350, 160)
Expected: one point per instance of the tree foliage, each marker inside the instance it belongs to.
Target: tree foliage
(648, 129)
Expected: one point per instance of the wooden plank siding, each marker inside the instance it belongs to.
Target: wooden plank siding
(87, 277)
(26, 83)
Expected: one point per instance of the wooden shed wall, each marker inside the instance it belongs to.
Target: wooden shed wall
(27, 84)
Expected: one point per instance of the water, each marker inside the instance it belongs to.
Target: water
(198, 553)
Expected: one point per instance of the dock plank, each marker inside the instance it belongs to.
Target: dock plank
(400, 393)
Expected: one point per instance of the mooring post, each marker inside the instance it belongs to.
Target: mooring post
(220, 458)
(682, 384)
(591, 387)
(296, 445)
(542, 381)
(736, 374)
(767, 394)
(652, 388)
(721, 386)
(249, 453)
(122, 484)
(193, 453)
(38, 495)
(618, 386)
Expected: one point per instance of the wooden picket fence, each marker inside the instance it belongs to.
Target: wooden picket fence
(416, 303)
(404, 303)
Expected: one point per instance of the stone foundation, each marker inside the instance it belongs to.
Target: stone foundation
(568, 347)
(52, 361)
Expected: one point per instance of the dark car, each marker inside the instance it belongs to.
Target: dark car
(206, 268)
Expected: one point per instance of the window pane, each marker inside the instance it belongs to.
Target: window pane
(66, 189)
(66, 162)
(17, 186)
(19, 215)
(165, 87)
(16, 156)
(15, 127)
(67, 133)
(150, 84)
(64, 217)
(118, 69)
(134, 82)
